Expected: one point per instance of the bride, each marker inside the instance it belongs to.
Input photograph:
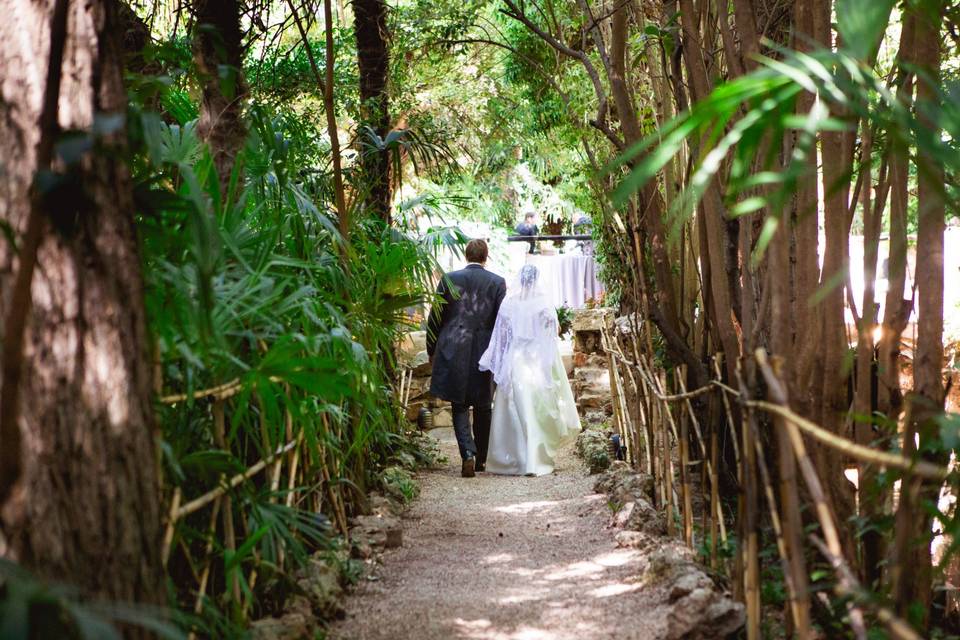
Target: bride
(533, 410)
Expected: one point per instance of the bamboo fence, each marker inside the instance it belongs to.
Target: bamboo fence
(663, 427)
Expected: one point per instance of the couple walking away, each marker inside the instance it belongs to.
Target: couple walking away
(481, 333)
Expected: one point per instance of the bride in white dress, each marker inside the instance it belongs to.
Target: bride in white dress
(533, 409)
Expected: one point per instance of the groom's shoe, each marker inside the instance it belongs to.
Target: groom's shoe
(467, 470)
(481, 466)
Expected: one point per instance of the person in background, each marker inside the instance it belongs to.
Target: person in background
(529, 228)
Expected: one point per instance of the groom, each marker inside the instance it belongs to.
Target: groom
(458, 333)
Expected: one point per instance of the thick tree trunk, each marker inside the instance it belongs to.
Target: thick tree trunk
(373, 59)
(218, 54)
(85, 509)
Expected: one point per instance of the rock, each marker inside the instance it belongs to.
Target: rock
(699, 610)
(292, 626)
(442, 417)
(420, 363)
(593, 448)
(592, 319)
(640, 515)
(687, 583)
(631, 539)
(591, 387)
(319, 583)
(377, 532)
(704, 614)
(383, 506)
(582, 360)
(623, 484)
(410, 346)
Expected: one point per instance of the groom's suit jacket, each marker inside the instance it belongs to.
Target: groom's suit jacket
(458, 332)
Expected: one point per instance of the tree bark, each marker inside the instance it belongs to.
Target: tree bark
(373, 60)
(218, 54)
(926, 403)
(897, 310)
(85, 509)
(718, 241)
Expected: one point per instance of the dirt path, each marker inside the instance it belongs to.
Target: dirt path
(505, 558)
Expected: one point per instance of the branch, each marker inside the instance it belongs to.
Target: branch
(513, 11)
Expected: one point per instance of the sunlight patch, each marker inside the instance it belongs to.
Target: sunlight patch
(526, 507)
(613, 590)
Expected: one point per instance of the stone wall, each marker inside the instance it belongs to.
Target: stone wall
(591, 372)
(413, 354)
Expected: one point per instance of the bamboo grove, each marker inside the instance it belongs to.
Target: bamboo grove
(740, 142)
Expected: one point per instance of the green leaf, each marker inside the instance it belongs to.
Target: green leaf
(861, 24)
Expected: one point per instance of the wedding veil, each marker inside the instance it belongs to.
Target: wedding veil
(527, 321)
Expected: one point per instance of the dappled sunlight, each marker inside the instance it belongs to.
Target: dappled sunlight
(615, 589)
(594, 566)
(524, 508)
(499, 558)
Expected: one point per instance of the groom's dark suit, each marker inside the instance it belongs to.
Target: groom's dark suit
(458, 333)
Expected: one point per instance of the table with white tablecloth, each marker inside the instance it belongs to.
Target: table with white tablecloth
(570, 279)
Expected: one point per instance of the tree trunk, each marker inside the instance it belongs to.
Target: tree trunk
(896, 309)
(218, 54)
(926, 403)
(85, 509)
(718, 240)
(373, 60)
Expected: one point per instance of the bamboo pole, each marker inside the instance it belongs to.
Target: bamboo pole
(798, 601)
(171, 526)
(229, 536)
(198, 503)
(685, 482)
(205, 574)
(750, 543)
(294, 461)
(807, 469)
(716, 510)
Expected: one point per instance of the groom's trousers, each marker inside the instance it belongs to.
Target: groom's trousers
(472, 441)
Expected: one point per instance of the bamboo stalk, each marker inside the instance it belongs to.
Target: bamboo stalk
(812, 480)
(205, 574)
(171, 526)
(294, 461)
(685, 482)
(750, 543)
(230, 541)
(198, 503)
(799, 604)
(711, 467)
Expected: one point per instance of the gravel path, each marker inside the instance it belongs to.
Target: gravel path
(506, 558)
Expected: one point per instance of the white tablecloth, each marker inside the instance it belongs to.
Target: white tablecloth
(570, 279)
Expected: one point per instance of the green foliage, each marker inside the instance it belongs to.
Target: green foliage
(30, 608)
(770, 93)
(565, 319)
(399, 484)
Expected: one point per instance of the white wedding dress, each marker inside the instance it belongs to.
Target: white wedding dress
(533, 409)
